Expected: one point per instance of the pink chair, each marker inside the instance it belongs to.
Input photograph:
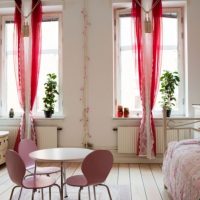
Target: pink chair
(16, 170)
(95, 167)
(27, 146)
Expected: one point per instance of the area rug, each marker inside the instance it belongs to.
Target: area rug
(118, 192)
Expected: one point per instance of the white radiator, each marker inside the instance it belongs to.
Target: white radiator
(128, 137)
(46, 136)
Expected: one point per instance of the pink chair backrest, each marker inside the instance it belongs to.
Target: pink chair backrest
(15, 166)
(27, 146)
(97, 165)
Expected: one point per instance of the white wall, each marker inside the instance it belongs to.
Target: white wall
(193, 53)
(100, 74)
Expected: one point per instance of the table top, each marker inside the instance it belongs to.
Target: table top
(60, 154)
(4, 133)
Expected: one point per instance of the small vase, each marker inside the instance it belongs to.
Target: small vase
(126, 112)
(11, 113)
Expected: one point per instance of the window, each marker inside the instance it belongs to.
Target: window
(127, 91)
(50, 63)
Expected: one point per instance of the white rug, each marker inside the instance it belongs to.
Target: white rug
(118, 192)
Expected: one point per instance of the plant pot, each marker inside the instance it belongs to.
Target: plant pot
(168, 113)
(47, 113)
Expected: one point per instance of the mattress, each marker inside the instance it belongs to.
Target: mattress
(181, 169)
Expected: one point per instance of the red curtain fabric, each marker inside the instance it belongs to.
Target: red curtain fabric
(156, 64)
(36, 22)
(19, 68)
(148, 82)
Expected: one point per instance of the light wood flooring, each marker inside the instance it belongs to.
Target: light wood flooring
(145, 181)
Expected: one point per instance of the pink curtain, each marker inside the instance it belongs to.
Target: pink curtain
(148, 61)
(36, 19)
(156, 62)
(19, 68)
(36, 22)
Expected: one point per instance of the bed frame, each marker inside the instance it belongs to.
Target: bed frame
(192, 124)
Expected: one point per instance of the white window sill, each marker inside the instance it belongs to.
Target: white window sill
(60, 117)
(156, 118)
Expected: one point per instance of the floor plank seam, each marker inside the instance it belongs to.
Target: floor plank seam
(143, 182)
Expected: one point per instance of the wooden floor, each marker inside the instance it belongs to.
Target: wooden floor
(145, 181)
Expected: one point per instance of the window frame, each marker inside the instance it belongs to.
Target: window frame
(3, 75)
(181, 62)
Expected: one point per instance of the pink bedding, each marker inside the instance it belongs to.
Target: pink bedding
(181, 169)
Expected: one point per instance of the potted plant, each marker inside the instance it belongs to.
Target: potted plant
(49, 99)
(169, 80)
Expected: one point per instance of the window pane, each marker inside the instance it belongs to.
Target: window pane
(49, 60)
(9, 28)
(11, 87)
(170, 31)
(126, 31)
(49, 64)
(11, 92)
(129, 82)
(50, 35)
(128, 94)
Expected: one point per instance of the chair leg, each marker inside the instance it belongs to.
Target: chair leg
(42, 194)
(33, 192)
(12, 192)
(94, 192)
(79, 193)
(20, 194)
(89, 192)
(49, 193)
(65, 186)
(107, 190)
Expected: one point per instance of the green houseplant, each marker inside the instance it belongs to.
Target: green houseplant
(169, 81)
(49, 99)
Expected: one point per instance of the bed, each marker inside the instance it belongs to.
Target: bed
(181, 169)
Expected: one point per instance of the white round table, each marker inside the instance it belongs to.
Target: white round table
(60, 155)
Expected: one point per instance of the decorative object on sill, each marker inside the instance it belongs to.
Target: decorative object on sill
(126, 112)
(11, 113)
(25, 28)
(84, 89)
(120, 111)
(147, 19)
(169, 81)
(50, 94)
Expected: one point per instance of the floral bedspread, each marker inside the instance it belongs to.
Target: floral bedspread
(181, 169)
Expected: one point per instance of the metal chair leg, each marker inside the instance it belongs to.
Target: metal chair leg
(65, 187)
(42, 194)
(20, 194)
(33, 192)
(89, 192)
(12, 192)
(107, 190)
(79, 193)
(49, 193)
(94, 189)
